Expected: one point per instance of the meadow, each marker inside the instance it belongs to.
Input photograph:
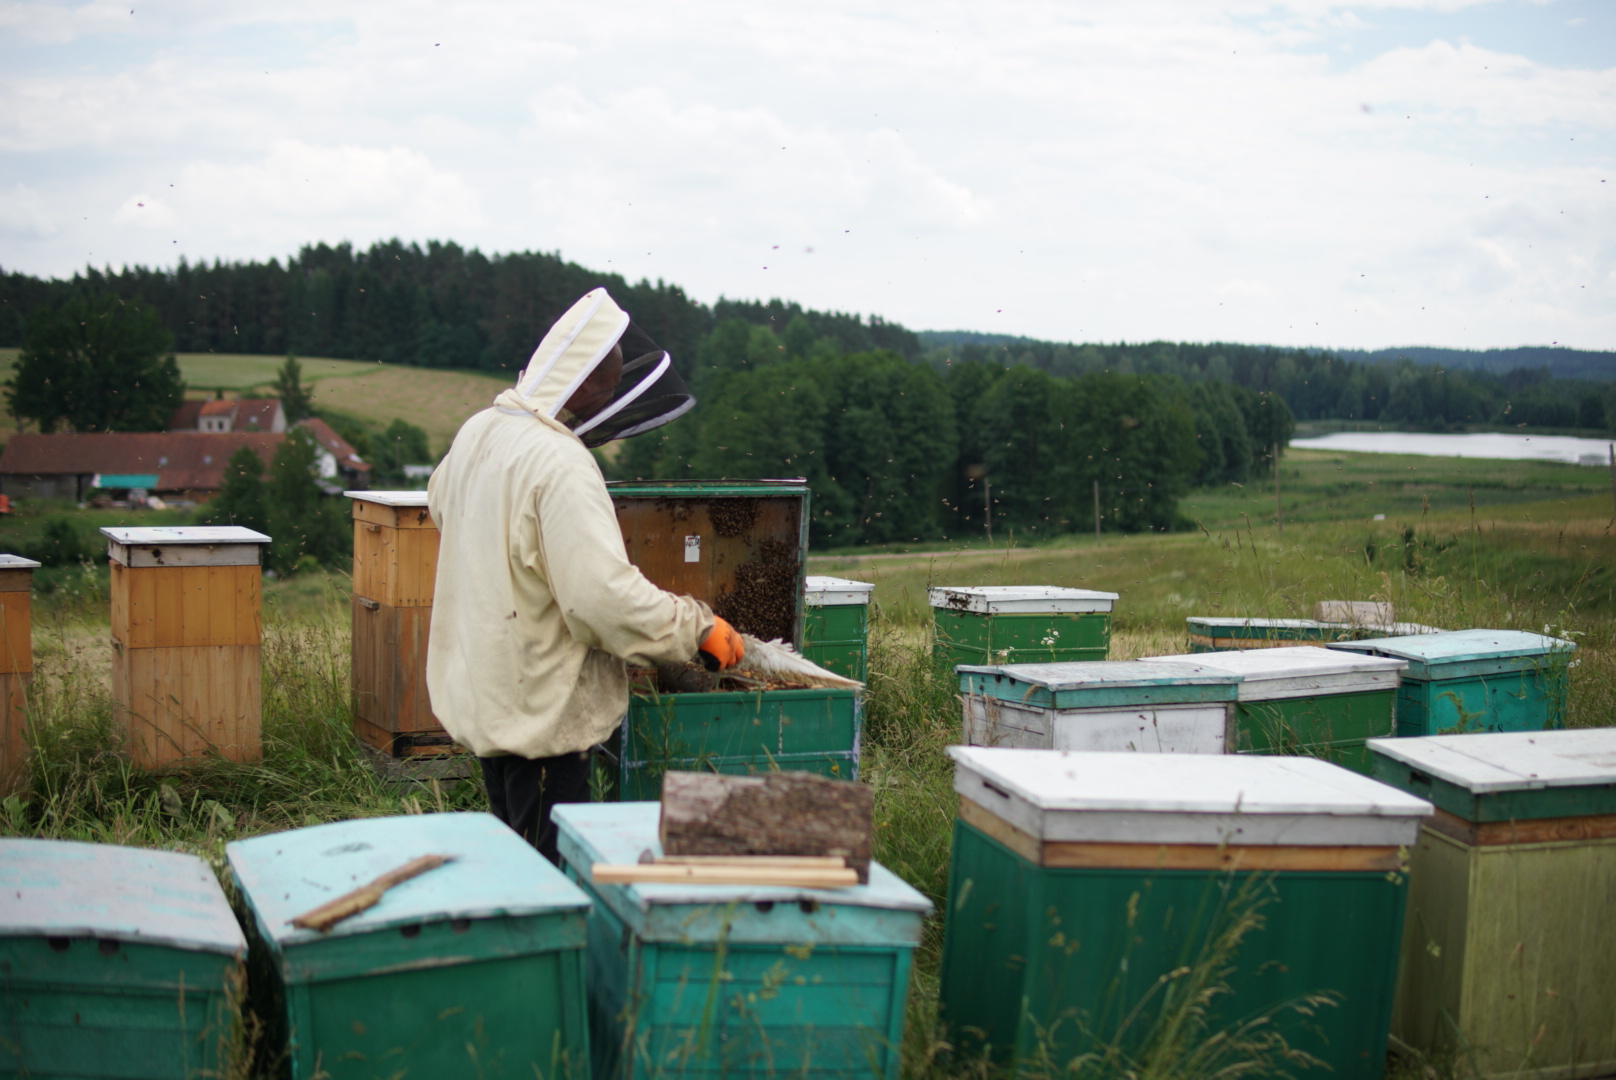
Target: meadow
(1536, 552)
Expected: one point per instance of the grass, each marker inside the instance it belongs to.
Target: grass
(1515, 563)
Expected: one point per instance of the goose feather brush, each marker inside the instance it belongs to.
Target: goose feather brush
(775, 661)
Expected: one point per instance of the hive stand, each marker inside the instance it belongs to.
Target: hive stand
(1083, 883)
(1016, 624)
(16, 667)
(187, 631)
(116, 962)
(466, 972)
(395, 567)
(1509, 953)
(737, 980)
(1111, 705)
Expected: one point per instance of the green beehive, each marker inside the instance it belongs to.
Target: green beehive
(1306, 700)
(1228, 633)
(836, 625)
(471, 970)
(1509, 956)
(1112, 705)
(115, 962)
(741, 546)
(737, 980)
(1010, 624)
(1083, 884)
(1476, 680)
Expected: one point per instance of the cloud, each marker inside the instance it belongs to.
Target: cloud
(23, 214)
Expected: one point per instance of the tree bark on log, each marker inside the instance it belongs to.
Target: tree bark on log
(784, 813)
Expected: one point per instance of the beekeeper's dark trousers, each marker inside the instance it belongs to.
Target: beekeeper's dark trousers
(521, 792)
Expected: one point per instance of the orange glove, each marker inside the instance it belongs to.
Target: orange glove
(723, 645)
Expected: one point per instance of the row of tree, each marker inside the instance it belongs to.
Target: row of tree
(898, 451)
(1319, 385)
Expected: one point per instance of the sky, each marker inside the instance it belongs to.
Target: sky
(1293, 172)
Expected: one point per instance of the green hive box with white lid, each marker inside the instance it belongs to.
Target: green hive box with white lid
(1011, 624)
(1477, 680)
(1306, 700)
(741, 546)
(1114, 705)
(115, 962)
(472, 970)
(836, 624)
(737, 980)
(1226, 633)
(1509, 955)
(1084, 886)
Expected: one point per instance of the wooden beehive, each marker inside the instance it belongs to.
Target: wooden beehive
(1306, 700)
(737, 980)
(836, 625)
(1509, 953)
(469, 971)
(1015, 624)
(1082, 883)
(395, 570)
(16, 666)
(187, 631)
(114, 962)
(1113, 705)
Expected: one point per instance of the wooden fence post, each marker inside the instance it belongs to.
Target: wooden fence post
(187, 632)
(16, 666)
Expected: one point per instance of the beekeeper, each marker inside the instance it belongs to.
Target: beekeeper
(537, 607)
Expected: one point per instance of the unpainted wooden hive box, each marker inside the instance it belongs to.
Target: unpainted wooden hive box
(471, 970)
(1306, 700)
(1511, 935)
(1081, 880)
(1016, 624)
(1114, 705)
(16, 667)
(1476, 680)
(114, 962)
(742, 547)
(738, 981)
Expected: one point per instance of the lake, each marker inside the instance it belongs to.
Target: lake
(1564, 448)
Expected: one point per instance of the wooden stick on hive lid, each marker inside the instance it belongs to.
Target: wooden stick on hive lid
(784, 813)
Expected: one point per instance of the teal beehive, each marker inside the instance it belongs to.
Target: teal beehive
(471, 970)
(1306, 700)
(1476, 680)
(737, 981)
(1008, 624)
(115, 962)
(1105, 705)
(1090, 891)
(836, 624)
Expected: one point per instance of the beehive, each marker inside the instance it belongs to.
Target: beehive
(115, 962)
(836, 625)
(1306, 700)
(737, 981)
(1224, 634)
(1510, 946)
(395, 567)
(1080, 881)
(1476, 680)
(1106, 705)
(1010, 624)
(16, 665)
(741, 546)
(471, 970)
(187, 627)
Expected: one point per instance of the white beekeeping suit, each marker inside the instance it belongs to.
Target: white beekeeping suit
(537, 606)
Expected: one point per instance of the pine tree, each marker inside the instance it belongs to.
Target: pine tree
(296, 399)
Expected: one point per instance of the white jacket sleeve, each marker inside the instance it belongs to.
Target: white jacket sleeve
(574, 542)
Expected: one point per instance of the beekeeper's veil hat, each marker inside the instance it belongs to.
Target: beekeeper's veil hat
(649, 393)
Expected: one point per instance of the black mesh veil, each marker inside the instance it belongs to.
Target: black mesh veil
(649, 394)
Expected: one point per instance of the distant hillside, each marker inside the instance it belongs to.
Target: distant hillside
(1561, 363)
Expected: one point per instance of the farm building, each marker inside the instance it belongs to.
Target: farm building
(229, 415)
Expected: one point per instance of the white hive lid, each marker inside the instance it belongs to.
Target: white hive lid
(389, 498)
(820, 590)
(61, 888)
(17, 562)
(1185, 799)
(1487, 762)
(172, 535)
(1295, 671)
(1020, 599)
